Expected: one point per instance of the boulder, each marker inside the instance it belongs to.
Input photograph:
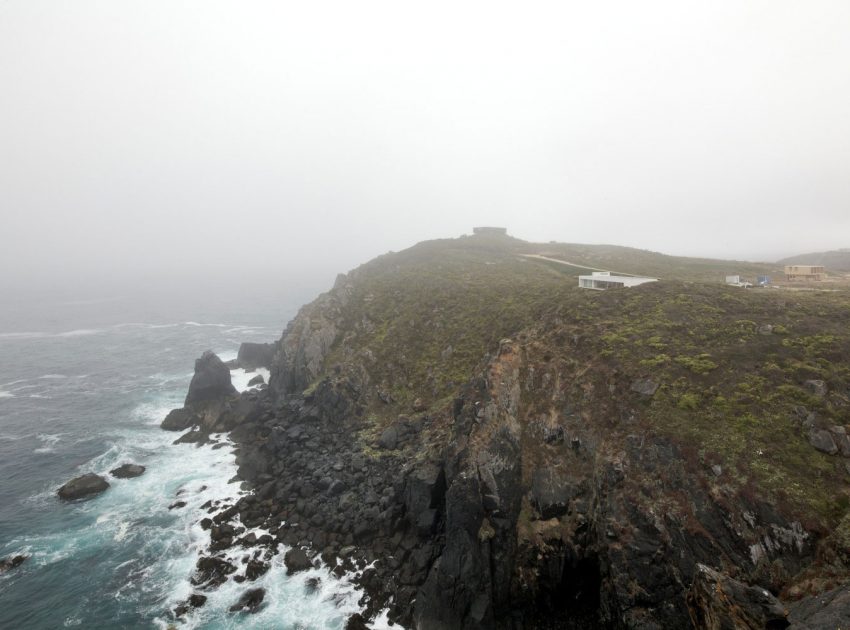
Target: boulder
(254, 355)
(195, 600)
(296, 560)
(127, 471)
(419, 405)
(179, 419)
(12, 562)
(718, 602)
(389, 438)
(823, 441)
(356, 622)
(84, 486)
(212, 571)
(644, 386)
(255, 569)
(250, 602)
(210, 382)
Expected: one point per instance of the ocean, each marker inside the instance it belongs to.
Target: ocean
(84, 384)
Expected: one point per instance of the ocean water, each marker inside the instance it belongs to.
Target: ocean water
(84, 385)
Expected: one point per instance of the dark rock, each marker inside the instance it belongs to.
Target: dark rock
(195, 600)
(177, 505)
(356, 622)
(644, 386)
(255, 569)
(419, 405)
(823, 441)
(256, 380)
(255, 355)
(84, 486)
(551, 492)
(826, 611)
(389, 438)
(718, 602)
(193, 437)
(212, 571)
(211, 380)
(12, 562)
(127, 471)
(313, 585)
(250, 602)
(296, 560)
(553, 435)
(179, 419)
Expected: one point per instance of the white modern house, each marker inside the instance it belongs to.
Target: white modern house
(601, 280)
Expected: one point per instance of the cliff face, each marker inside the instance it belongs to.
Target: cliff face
(515, 452)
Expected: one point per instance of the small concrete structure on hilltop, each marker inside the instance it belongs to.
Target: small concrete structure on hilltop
(804, 272)
(601, 280)
(500, 231)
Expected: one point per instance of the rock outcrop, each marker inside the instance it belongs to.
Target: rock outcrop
(255, 355)
(12, 562)
(83, 487)
(127, 471)
(550, 482)
(718, 602)
(210, 383)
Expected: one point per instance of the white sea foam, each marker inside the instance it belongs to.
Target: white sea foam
(53, 376)
(227, 355)
(240, 377)
(82, 332)
(200, 324)
(49, 441)
(6, 394)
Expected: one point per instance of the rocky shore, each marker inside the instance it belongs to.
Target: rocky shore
(536, 496)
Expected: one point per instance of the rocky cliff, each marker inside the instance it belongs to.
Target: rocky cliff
(495, 448)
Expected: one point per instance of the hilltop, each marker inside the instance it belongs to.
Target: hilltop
(513, 451)
(836, 260)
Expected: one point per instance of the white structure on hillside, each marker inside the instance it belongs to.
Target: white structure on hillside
(601, 280)
(737, 281)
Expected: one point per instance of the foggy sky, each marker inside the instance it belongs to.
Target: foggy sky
(152, 137)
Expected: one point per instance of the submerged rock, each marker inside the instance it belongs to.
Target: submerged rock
(193, 437)
(196, 600)
(127, 471)
(12, 562)
(250, 602)
(86, 485)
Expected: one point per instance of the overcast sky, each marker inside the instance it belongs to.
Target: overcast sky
(161, 135)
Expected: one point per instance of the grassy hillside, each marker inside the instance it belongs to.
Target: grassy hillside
(732, 365)
(834, 261)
